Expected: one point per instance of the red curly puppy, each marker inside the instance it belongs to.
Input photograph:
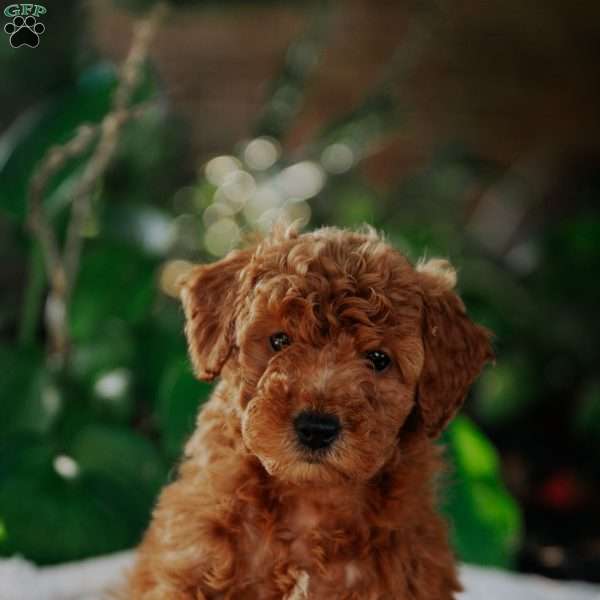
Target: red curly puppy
(310, 474)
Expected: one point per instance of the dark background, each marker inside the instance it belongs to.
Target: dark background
(466, 130)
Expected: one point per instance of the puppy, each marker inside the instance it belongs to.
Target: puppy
(311, 471)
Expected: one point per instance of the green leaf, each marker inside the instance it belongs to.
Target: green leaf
(113, 349)
(486, 522)
(25, 452)
(51, 519)
(103, 366)
(474, 456)
(77, 415)
(159, 342)
(119, 454)
(59, 504)
(29, 398)
(115, 282)
(180, 396)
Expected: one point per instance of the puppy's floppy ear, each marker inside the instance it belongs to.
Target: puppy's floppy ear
(211, 298)
(456, 349)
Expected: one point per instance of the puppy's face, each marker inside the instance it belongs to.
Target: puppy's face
(329, 361)
(327, 336)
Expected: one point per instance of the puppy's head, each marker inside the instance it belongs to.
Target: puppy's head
(332, 340)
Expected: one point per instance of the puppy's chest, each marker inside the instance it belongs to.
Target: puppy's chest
(306, 552)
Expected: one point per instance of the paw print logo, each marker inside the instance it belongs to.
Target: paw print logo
(24, 31)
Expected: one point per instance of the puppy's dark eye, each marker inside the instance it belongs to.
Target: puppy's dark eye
(379, 360)
(279, 341)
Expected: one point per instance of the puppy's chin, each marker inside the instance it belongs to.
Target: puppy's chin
(305, 470)
(330, 468)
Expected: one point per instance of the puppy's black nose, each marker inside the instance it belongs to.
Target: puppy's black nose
(316, 430)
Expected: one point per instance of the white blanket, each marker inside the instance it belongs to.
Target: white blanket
(88, 579)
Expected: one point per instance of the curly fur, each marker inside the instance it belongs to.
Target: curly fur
(251, 516)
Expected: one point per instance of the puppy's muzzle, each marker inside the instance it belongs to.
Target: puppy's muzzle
(316, 430)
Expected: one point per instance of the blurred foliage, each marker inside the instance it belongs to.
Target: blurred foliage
(288, 87)
(84, 450)
(52, 71)
(486, 525)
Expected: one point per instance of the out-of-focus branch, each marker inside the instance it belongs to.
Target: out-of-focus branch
(62, 266)
(54, 160)
(109, 137)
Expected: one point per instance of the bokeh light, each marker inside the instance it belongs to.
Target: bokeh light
(261, 153)
(217, 169)
(215, 212)
(338, 158)
(222, 236)
(66, 467)
(171, 275)
(301, 180)
(237, 188)
(112, 385)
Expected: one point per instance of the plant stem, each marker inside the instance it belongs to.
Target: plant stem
(34, 294)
